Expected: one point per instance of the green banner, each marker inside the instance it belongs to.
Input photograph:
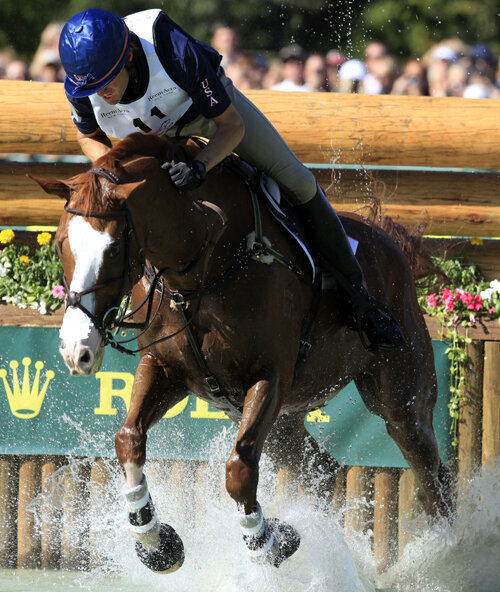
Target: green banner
(44, 410)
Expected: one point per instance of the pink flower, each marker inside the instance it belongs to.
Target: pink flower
(58, 291)
(472, 319)
(448, 305)
(431, 300)
(462, 295)
(474, 302)
(448, 296)
(491, 310)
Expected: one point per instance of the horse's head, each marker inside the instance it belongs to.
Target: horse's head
(101, 261)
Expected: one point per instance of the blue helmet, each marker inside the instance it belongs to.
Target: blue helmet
(94, 46)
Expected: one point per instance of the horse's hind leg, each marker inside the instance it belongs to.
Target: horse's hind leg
(292, 448)
(266, 540)
(158, 545)
(404, 394)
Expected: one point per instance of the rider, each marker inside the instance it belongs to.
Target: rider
(144, 73)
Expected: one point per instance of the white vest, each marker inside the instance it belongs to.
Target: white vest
(163, 103)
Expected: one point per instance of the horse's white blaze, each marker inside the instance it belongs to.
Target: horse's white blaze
(87, 246)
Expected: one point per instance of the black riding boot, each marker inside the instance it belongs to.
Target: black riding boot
(326, 238)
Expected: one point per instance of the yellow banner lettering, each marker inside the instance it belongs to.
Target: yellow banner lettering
(108, 391)
(202, 411)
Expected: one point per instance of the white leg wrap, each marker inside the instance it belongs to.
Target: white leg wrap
(253, 525)
(261, 544)
(136, 500)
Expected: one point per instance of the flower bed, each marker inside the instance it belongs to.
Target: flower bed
(30, 278)
(459, 296)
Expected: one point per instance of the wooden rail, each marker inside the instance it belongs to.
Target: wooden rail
(321, 127)
(462, 204)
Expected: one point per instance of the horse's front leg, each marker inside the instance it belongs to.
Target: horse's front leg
(158, 545)
(268, 541)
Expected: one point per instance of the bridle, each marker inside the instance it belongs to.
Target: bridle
(109, 325)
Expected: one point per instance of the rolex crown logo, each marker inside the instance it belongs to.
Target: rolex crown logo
(25, 401)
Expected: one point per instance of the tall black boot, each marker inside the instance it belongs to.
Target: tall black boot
(328, 242)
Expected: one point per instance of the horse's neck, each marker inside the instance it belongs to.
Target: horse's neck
(171, 229)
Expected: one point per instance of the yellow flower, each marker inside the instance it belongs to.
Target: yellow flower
(24, 259)
(6, 236)
(476, 241)
(44, 238)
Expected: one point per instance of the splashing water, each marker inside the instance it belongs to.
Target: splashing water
(462, 556)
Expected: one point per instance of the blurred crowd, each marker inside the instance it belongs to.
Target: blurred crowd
(449, 69)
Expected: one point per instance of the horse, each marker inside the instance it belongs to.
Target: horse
(239, 322)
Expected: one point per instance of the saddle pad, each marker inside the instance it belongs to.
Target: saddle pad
(284, 213)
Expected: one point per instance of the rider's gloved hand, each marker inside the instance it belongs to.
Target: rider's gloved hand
(186, 176)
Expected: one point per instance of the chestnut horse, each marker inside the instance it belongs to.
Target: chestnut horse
(217, 319)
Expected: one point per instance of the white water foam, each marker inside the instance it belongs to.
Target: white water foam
(462, 556)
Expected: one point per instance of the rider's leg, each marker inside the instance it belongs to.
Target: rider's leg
(326, 237)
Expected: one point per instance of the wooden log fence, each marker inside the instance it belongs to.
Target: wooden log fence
(333, 132)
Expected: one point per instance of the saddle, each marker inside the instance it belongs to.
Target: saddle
(284, 213)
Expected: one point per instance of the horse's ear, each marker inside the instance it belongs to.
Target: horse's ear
(53, 186)
(124, 190)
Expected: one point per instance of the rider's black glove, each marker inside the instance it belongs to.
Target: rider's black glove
(186, 176)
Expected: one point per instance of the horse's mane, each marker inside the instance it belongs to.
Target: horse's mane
(410, 243)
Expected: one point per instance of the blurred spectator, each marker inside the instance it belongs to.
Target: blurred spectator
(6, 56)
(245, 72)
(292, 58)
(440, 59)
(351, 75)
(412, 82)
(16, 70)
(226, 41)
(47, 54)
(334, 59)
(274, 74)
(375, 53)
(476, 91)
(483, 60)
(315, 73)
(382, 76)
(456, 80)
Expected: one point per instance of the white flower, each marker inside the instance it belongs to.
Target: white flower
(495, 284)
(43, 307)
(3, 271)
(486, 294)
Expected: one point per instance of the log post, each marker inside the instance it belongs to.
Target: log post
(409, 507)
(491, 402)
(100, 474)
(358, 492)
(338, 501)
(385, 524)
(28, 540)
(469, 426)
(8, 495)
(51, 518)
(74, 537)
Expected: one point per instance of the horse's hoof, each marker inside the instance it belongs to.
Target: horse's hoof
(168, 557)
(287, 540)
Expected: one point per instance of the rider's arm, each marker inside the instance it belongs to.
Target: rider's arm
(93, 141)
(229, 133)
(94, 145)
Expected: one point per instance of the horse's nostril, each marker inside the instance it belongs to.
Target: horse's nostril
(85, 357)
